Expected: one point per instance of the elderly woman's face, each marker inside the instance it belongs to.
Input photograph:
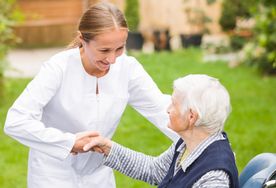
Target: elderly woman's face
(178, 120)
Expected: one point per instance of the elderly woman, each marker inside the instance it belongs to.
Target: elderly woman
(201, 158)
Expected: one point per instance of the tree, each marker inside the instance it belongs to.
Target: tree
(233, 9)
(132, 14)
(261, 50)
(9, 16)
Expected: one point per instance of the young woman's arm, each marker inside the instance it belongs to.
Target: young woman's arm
(148, 100)
(24, 123)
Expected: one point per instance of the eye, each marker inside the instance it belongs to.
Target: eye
(120, 48)
(104, 50)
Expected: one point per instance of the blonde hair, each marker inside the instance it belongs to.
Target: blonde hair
(97, 19)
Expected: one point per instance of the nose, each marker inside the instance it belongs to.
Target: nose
(111, 58)
(168, 109)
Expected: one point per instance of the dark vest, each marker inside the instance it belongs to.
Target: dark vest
(217, 156)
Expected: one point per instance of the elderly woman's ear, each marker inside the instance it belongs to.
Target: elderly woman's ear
(192, 117)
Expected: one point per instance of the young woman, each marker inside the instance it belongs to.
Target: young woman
(79, 91)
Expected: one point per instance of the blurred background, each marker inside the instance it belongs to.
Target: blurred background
(232, 40)
(50, 23)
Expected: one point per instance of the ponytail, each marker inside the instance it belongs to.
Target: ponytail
(74, 43)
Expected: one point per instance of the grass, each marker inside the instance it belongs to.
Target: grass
(251, 126)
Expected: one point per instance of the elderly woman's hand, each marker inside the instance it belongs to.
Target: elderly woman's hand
(99, 144)
(82, 138)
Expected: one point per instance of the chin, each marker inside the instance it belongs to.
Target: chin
(172, 128)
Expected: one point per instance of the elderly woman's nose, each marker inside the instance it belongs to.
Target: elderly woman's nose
(168, 109)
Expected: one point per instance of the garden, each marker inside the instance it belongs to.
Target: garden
(251, 126)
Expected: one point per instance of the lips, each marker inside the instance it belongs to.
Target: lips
(104, 65)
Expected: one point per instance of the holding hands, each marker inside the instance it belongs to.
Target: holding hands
(91, 141)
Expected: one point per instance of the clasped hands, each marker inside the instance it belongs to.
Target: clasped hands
(91, 141)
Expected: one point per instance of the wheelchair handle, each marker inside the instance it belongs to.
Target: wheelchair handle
(270, 184)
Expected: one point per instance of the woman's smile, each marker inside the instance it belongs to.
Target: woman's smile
(104, 65)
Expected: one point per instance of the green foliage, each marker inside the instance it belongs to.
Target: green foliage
(228, 16)
(250, 127)
(132, 14)
(237, 42)
(9, 16)
(232, 9)
(209, 2)
(261, 51)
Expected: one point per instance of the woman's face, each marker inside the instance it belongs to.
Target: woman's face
(178, 121)
(103, 50)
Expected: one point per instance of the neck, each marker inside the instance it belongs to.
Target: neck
(194, 137)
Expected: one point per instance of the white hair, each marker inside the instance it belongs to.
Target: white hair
(208, 97)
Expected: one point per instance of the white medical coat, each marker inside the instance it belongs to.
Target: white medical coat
(61, 101)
